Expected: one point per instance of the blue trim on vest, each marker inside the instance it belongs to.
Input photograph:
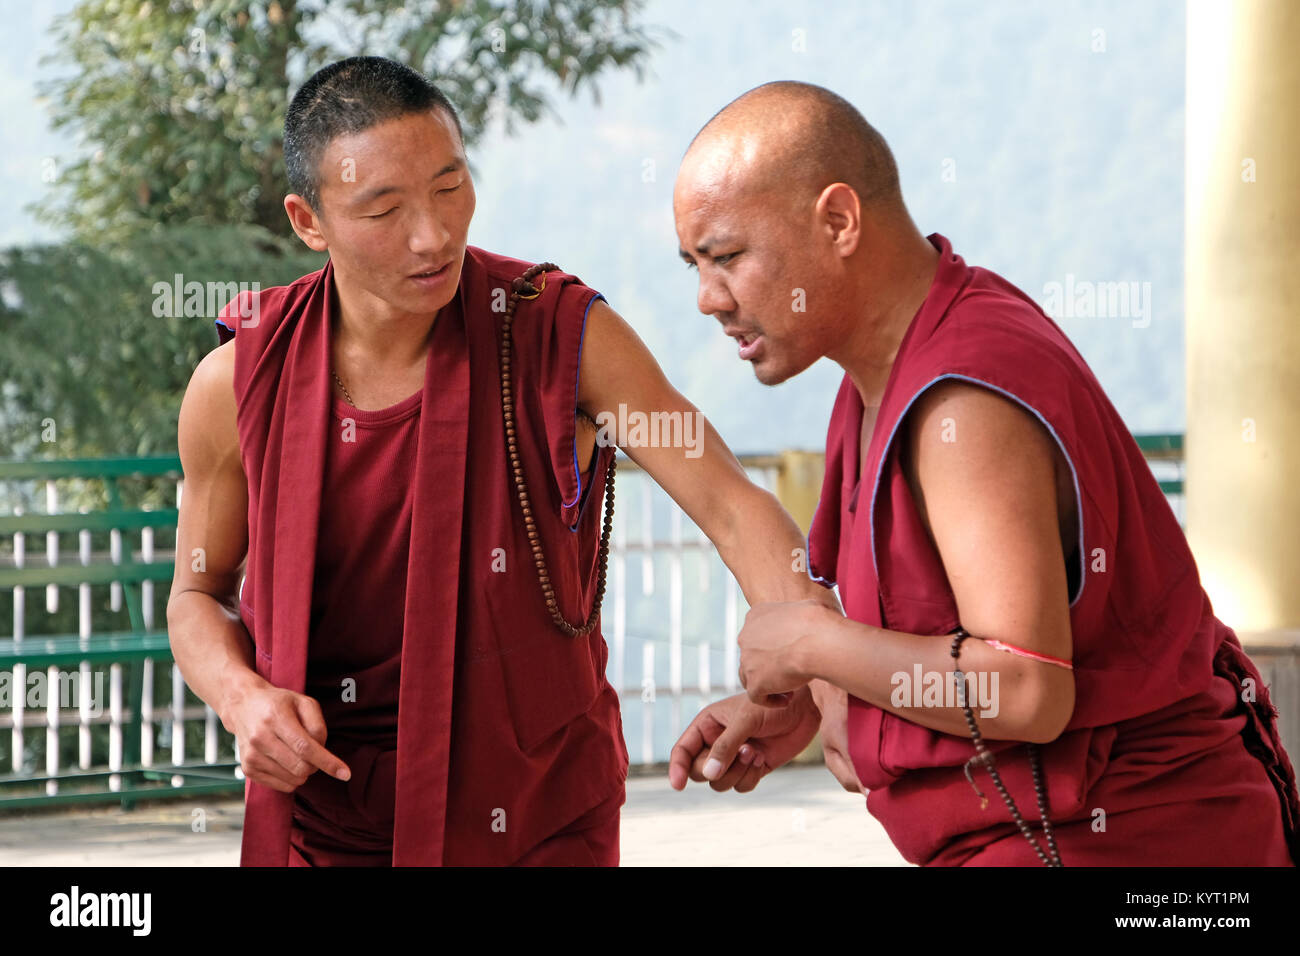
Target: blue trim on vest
(1074, 474)
(577, 474)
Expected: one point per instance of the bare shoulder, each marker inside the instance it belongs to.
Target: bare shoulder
(208, 436)
(952, 411)
(614, 361)
(214, 507)
(972, 444)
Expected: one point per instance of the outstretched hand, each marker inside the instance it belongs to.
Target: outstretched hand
(734, 743)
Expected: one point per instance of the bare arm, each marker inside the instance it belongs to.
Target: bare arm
(989, 498)
(754, 535)
(756, 538)
(209, 641)
(279, 732)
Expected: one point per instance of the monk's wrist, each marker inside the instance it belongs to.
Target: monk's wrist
(812, 649)
(237, 681)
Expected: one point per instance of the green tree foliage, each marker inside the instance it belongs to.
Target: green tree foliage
(181, 104)
(86, 350)
(179, 107)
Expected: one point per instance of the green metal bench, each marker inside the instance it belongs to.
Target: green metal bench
(126, 779)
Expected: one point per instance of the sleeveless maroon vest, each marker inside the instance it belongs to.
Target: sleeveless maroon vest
(1145, 641)
(507, 728)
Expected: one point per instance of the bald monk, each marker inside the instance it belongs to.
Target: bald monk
(983, 497)
(413, 669)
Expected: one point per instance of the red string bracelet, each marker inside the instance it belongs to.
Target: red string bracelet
(1032, 655)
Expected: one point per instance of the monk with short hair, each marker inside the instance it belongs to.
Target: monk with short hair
(399, 455)
(1023, 610)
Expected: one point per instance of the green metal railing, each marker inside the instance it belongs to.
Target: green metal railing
(130, 653)
(1164, 448)
(134, 649)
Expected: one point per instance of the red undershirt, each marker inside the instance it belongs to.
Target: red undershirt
(358, 601)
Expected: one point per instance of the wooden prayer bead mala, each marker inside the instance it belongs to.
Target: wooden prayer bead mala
(984, 757)
(522, 288)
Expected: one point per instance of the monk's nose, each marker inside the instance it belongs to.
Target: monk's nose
(430, 234)
(713, 298)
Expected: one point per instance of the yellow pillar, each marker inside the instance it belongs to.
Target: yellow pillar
(1243, 309)
(799, 484)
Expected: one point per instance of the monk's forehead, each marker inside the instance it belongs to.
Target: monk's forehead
(731, 167)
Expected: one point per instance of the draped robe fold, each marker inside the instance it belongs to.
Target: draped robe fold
(507, 729)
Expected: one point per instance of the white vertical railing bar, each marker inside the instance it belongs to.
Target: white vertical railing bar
(178, 682)
(209, 735)
(178, 721)
(115, 555)
(20, 670)
(83, 631)
(146, 587)
(115, 739)
(115, 725)
(706, 554)
(730, 653)
(675, 621)
(648, 702)
(648, 537)
(146, 713)
(52, 731)
(51, 547)
(620, 605)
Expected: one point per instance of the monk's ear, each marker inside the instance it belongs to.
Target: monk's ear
(303, 220)
(839, 211)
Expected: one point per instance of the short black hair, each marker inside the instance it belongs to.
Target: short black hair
(347, 97)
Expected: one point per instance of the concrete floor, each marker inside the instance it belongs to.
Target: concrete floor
(798, 816)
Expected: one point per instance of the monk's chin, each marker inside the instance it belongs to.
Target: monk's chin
(431, 300)
(768, 376)
(769, 372)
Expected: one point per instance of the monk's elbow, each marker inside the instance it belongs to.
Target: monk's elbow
(1039, 707)
(1050, 707)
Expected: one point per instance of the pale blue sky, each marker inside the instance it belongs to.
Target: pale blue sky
(1068, 162)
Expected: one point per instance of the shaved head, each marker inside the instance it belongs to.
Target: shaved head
(788, 205)
(799, 138)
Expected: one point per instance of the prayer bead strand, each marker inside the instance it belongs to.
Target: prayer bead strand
(522, 288)
(984, 758)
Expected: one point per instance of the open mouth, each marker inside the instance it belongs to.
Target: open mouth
(749, 344)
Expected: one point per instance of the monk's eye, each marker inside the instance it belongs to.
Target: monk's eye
(723, 260)
(450, 189)
(381, 215)
(690, 263)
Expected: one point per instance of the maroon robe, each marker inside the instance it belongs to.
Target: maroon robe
(508, 734)
(1161, 742)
